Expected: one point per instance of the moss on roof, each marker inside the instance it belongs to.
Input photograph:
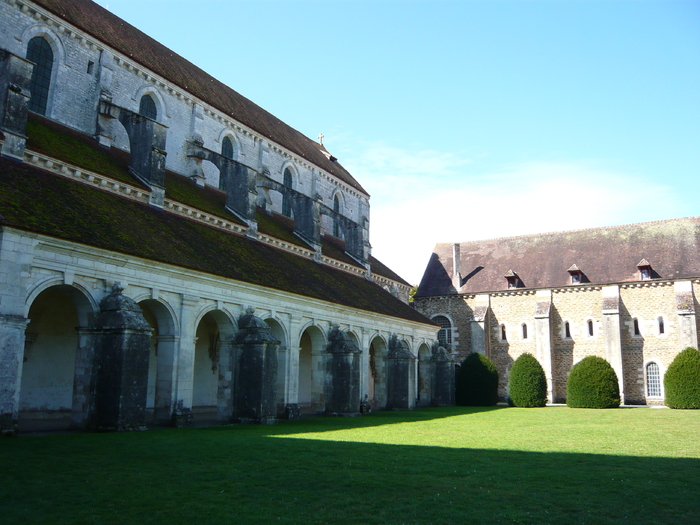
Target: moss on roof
(35, 200)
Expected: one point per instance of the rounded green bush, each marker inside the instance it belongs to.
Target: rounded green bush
(682, 380)
(476, 383)
(592, 383)
(527, 384)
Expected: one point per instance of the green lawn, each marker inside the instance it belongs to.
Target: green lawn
(453, 465)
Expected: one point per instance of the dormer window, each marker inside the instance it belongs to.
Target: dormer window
(575, 274)
(644, 270)
(513, 280)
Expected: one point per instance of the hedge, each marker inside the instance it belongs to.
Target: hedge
(682, 380)
(476, 383)
(592, 383)
(527, 384)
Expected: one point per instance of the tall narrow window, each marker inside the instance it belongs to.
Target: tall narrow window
(147, 107)
(445, 332)
(524, 331)
(227, 148)
(662, 327)
(336, 224)
(635, 326)
(590, 328)
(567, 330)
(504, 335)
(653, 380)
(39, 51)
(286, 196)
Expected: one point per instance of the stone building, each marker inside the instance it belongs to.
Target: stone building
(170, 251)
(626, 293)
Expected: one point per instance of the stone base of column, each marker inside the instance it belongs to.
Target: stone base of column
(292, 411)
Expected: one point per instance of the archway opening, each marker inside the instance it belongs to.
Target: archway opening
(310, 397)
(282, 364)
(376, 384)
(424, 376)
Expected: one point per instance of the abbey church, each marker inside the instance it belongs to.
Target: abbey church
(172, 253)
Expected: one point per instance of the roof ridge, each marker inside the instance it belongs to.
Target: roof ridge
(558, 232)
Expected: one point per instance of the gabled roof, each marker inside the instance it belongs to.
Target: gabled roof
(609, 255)
(142, 49)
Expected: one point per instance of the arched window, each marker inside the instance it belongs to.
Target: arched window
(147, 107)
(39, 51)
(286, 196)
(336, 208)
(445, 332)
(524, 331)
(653, 380)
(504, 335)
(567, 330)
(227, 148)
(635, 327)
(590, 328)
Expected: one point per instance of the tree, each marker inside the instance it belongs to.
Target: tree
(527, 384)
(682, 380)
(476, 383)
(592, 383)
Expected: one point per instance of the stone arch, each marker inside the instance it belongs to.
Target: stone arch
(338, 205)
(312, 345)
(212, 367)
(354, 338)
(161, 365)
(235, 142)
(56, 368)
(279, 332)
(161, 106)
(87, 305)
(59, 58)
(290, 179)
(424, 375)
(446, 334)
(376, 384)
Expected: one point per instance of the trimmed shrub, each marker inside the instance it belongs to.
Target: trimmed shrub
(476, 383)
(592, 383)
(682, 380)
(527, 384)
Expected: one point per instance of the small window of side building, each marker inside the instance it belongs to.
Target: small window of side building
(524, 331)
(653, 380)
(567, 330)
(590, 328)
(635, 327)
(147, 107)
(662, 326)
(445, 333)
(39, 51)
(336, 223)
(504, 335)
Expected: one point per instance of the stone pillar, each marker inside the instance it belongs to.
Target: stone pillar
(166, 368)
(82, 378)
(687, 321)
(612, 333)
(121, 347)
(401, 376)
(15, 79)
(184, 363)
(341, 386)
(12, 329)
(479, 325)
(224, 410)
(256, 381)
(442, 377)
(543, 338)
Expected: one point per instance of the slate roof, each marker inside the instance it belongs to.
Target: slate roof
(603, 255)
(35, 200)
(142, 49)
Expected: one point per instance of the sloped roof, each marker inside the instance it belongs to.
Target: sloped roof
(139, 47)
(603, 255)
(34, 200)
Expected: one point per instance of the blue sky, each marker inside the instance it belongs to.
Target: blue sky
(469, 120)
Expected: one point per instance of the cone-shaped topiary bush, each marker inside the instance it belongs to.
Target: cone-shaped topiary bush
(682, 380)
(592, 383)
(476, 383)
(527, 384)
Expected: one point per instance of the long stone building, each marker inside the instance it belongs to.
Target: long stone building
(171, 251)
(626, 293)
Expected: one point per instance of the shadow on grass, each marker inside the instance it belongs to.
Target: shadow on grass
(236, 474)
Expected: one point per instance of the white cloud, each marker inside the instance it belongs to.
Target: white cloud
(420, 198)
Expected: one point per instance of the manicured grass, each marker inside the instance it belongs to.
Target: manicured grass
(452, 465)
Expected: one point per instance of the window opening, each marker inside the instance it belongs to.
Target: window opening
(227, 148)
(286, 196)
(503, 333)
(524, 331)
(635, 325)
(567, 330)
(653, 380)
(590, 328)
(336, 208)
(445, 333)
(147, 107)
(662, 327)
(90, 67)
(39, 51)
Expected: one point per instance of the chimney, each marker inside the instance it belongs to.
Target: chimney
(456, 274)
